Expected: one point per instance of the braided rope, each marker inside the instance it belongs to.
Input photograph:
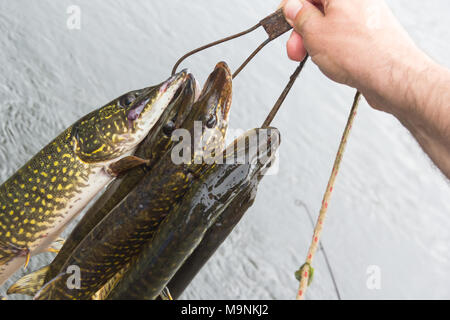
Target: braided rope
(305, 273)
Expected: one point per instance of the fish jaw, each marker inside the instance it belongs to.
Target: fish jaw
(149, 116)
(122, 124)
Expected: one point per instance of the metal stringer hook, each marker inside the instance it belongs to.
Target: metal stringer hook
(274, 24)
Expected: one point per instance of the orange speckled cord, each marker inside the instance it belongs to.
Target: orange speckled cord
(305, 271)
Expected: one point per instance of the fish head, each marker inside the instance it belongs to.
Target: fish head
(215, 98)
(120, 126)
(243, 164)
(180, 106)
(160, 137)
(208, 120)
(256, 147)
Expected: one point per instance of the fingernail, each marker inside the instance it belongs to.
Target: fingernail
(291, 9)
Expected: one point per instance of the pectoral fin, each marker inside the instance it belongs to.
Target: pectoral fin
(30, 284)
(125, 164)
(56, 245)
(165, 294)
(9, 251)
(27, 260)
(46, 292)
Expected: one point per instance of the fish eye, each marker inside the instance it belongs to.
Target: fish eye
(169, 128)
(211, 122)
(128, 99)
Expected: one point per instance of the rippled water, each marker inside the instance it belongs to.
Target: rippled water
(390, 208)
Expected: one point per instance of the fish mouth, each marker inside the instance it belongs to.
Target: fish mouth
(176, 79)
(225, 80)
(171, 85)
(188, 85)
(218, 89)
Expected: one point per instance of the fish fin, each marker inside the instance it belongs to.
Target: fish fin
(103, 293)
(56, 245)
(27, 260)
(165, 294)
(45, 293)
(30, 284)
(125, 164)
(9, 251)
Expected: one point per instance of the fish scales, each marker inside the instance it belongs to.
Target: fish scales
(35, 198)
(184, 228)
(213, 238)
(132, 223)
(39, 200)
(153, 147)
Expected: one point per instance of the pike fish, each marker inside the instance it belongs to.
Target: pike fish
(110, 246)
(39, 200)
(157, 142)
(184, 228)
(215, 235)
(152, 148)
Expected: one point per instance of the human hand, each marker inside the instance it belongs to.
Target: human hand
(360, 43)
(354, 42)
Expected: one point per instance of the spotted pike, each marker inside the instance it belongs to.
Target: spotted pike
(121, 234)
(182, 231)
(38, 201)
(155, 145)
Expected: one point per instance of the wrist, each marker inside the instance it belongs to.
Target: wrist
(397, 84)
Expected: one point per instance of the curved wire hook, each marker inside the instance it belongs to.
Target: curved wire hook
(274, 24)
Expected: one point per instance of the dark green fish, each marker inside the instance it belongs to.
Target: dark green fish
(122, 233)
(214, 237)
(181, 232)
(38, 201)
(153, 147)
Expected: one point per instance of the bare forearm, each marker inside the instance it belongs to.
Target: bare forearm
(421, 101)
(361, 44)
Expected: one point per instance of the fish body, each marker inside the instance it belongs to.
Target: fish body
(42, 197)
(214, 237)
(184, 228)
(109, 247)
(154, 146)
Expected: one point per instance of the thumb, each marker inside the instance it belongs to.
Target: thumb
(300, 13)
(282, 4)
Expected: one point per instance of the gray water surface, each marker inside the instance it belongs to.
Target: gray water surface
(390, 208)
